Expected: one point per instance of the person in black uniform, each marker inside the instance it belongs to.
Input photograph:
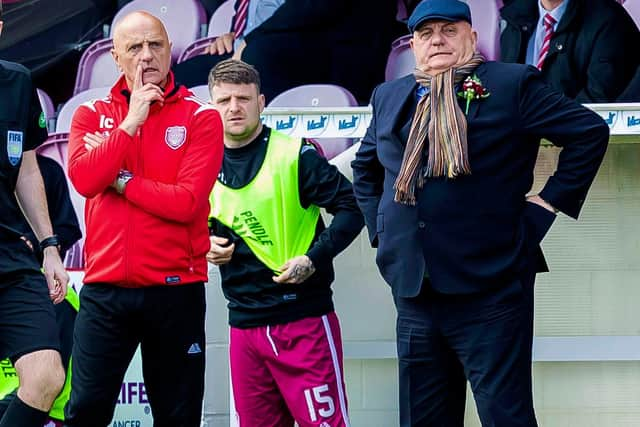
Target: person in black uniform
(66, 227)
(28, 332)
(62, 214)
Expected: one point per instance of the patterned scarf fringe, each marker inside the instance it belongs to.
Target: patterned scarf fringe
(446, 130)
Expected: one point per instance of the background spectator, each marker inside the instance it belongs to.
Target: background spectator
(589, 57)
(343, 42)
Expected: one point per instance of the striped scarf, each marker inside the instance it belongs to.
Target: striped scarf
(446, 129)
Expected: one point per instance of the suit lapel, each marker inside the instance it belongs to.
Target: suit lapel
(405, 90)
(475, 105)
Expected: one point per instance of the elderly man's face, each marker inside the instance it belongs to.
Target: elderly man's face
(142, 39)
(440, 45)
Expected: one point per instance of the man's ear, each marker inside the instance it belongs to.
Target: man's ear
(115, 57)
(261, 102)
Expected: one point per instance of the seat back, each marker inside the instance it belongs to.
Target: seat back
(219, 24)
(182, 19)
(63, 124)
(319, 95)
(401, 60)
(47, 108)
(196, 48)
(633, 8)
(402, 15)
(202, 92)
(97, 67)
(486, 20)
(220, 21)
(55, 148)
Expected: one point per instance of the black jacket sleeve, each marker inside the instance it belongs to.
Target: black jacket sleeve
(368, 176)
(582, 134)
(609, 69)
(321, 184)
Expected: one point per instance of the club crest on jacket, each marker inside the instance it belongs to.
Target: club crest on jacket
(175, 136)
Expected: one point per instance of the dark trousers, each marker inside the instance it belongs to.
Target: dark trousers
(168, 323)
(445, 340)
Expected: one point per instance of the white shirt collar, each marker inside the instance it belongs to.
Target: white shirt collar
(555, 13)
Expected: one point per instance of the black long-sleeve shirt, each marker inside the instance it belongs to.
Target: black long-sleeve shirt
(254, 298)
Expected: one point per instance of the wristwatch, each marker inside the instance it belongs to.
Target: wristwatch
(124, 176)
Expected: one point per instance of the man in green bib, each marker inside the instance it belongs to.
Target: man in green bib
(275, 256)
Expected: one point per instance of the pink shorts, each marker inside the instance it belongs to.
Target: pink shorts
(286, 373)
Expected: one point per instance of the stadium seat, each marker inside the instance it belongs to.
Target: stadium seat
(55, 147)
(402, 14)
(97, 67)
(220, 21)
(633, 7)
(401, 60)
(201, 91)
(486, 20)
(47, 108)
(63, 123)
(319, 95)
(183, 21)
(219, 24)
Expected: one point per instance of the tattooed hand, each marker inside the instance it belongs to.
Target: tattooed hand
(296, 270)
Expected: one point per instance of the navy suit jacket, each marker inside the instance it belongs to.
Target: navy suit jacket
(477, 231)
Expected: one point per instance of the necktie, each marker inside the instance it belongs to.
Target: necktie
(549, 22)
(240, 18)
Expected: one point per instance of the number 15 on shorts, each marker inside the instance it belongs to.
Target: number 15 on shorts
(319, 403)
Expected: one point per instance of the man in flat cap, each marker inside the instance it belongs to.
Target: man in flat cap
(442, 177)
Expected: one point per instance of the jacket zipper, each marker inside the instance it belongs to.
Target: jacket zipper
(130, 221)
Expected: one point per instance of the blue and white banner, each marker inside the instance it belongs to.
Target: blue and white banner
(352, 122)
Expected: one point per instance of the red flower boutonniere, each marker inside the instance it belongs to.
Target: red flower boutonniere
(472, 89)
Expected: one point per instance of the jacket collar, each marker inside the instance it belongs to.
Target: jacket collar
(405, 88)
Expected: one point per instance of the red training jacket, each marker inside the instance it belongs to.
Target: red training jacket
(155, 233)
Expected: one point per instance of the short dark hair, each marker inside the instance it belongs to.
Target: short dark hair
(235, 72)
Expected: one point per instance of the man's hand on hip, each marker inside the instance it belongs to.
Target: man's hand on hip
(540, 201)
